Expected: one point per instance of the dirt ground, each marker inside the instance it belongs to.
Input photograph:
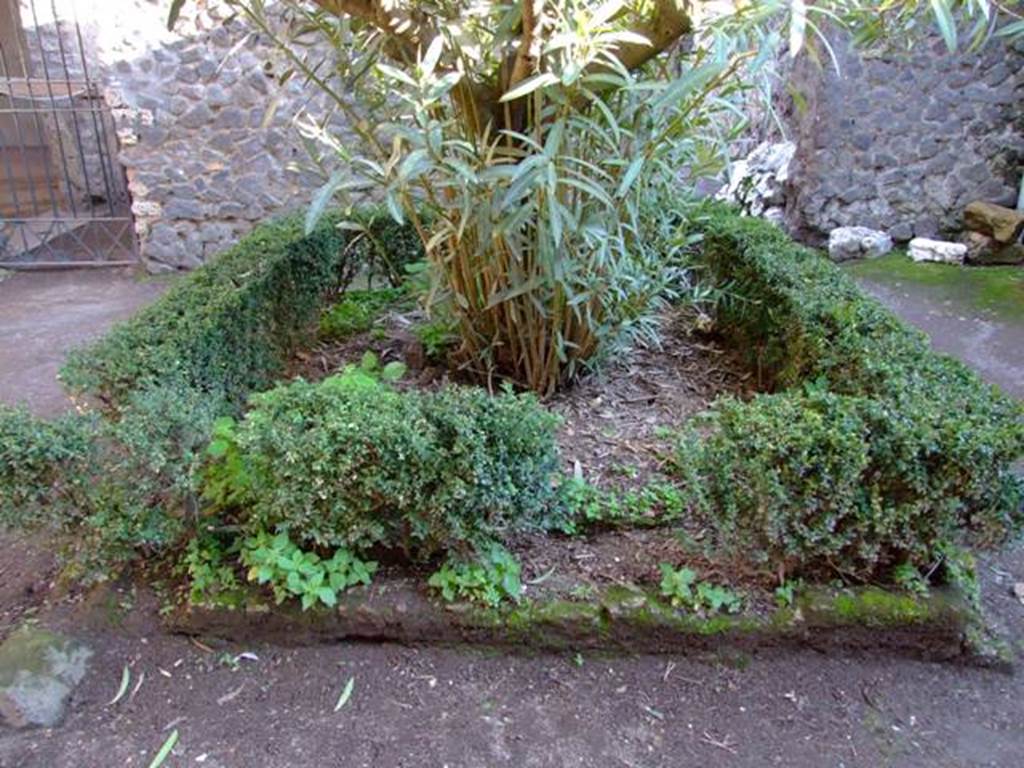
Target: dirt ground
(476, 708)
(466, 708)
(44, 314)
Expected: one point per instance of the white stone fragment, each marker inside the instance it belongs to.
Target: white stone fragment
(923, 249)
(846, 243)
(757, 183)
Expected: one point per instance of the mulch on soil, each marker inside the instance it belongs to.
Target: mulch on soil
(617, 433)
(617, 420)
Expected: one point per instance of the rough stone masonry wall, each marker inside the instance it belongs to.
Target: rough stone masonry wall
(204, 163)
(903, 143)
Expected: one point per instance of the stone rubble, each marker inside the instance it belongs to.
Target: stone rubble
(995, 234)
(758, 183)
(924, 249)
(845, 243)
(38, 672)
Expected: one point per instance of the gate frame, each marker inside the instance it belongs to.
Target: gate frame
(46, 101)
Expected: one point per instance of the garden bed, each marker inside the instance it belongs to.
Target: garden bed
(808, 472)
(616, 423)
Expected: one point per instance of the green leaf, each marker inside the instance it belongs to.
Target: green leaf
(322, 197)
(393, 207)
(218, 448)
(797, 26)
(944, 18)
(1011, 30)
(126, 677)
(165, 750)
(529, 85)
(415, 163)
(327, 596)
(346, 694)
(395, 74)
(393, 371)
(433, 55)
(369, 362)
(630, 176)
(174, 13)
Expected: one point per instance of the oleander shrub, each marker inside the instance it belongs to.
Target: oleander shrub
(873, 450)
(352, 463)
(381, 246)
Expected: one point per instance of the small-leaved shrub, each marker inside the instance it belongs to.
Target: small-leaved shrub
(351, 463)
(124, 486)
(873, 451)
(229, 326)
(40, 462)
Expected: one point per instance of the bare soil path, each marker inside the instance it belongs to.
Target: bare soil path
(45, 314)
(991, 344)
(474, 708)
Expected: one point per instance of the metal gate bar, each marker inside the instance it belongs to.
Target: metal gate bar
(63, 197)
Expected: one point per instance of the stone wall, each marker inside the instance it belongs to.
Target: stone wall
(902, 143)
(203, 125)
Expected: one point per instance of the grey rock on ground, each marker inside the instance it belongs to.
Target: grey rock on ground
(38, 672)
(983, 250)
(845, 243)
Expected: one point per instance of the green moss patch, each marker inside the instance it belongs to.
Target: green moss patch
(616, 618)
(996, 290)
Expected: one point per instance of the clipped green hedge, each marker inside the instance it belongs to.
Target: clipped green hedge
(35, 458)
(226, 326)
(873, 451)
(352, 463)
(128, 483)
(229, 326)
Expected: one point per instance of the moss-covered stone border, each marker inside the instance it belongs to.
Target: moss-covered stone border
(940, 626)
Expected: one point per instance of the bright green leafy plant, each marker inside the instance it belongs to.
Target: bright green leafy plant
(209, 571)
(293, 572)
(356, 312)
(656, 503)
(683, 590)
(490, 579)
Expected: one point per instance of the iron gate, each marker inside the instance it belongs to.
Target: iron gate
(63, 195)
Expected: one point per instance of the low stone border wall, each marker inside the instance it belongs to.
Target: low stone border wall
(940, 626)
